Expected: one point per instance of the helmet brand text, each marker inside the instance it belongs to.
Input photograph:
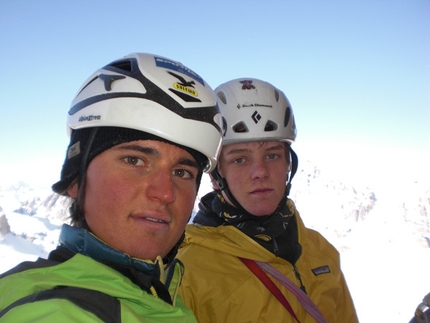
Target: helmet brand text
(185, 89)
(89, 118)
(175, 66)
(256, 105)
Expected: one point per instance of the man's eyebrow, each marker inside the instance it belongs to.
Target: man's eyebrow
(237, 151)
(281, 146)
(154, 152)
(188, 162)
(141, 149)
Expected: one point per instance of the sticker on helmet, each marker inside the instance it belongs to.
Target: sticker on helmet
(175, 66)
(247, 85)
(183, 85)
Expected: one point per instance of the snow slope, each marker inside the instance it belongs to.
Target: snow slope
(381, 235)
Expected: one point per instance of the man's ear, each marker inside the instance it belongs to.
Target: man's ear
(73, 190)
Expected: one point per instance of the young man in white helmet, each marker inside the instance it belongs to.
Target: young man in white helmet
(248, 255)
(132, 170)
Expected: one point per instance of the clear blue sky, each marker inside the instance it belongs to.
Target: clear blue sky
(356, 72)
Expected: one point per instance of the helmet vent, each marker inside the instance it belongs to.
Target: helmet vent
(276, 95)
(270, 126)
(240, 127)
(287, 116)
(122, 65)
(221, 96)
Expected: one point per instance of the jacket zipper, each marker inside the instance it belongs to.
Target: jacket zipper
(296, 272)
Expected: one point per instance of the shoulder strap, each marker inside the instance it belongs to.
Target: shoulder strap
(304, 299)
(105, 307)
(252, 265)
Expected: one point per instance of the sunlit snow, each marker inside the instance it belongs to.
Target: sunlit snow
(385, 263)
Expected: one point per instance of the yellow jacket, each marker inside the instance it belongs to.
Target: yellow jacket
(219, 288)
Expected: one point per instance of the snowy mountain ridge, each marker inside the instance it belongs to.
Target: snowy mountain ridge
(333, 207)
(381, 232)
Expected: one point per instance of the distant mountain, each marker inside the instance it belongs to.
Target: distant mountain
(333, 207)
(26, 200)
(338, 208)
(382, 233)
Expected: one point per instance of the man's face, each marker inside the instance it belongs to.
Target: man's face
(256, 174)
(139, 196)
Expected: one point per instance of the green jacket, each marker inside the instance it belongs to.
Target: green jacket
(84, 280)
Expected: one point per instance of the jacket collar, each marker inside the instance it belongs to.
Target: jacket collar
(79, 240)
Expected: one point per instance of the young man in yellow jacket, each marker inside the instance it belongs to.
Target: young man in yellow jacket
(248, 255)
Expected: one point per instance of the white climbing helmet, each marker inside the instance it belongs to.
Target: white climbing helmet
(254, 110)
(153, 94)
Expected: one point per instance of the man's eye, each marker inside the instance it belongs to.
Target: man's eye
(134, 161)
(272, 156)
(239, 160)
(182, 173)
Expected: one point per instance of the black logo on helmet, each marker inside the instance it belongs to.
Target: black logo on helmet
(190, 94)
(182, 80)
(109, 79)
(247, 85)
(256, 116)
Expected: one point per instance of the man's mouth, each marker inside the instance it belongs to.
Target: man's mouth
(155, 220)
(261, 190)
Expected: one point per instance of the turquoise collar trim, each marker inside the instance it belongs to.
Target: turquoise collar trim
(82, 241)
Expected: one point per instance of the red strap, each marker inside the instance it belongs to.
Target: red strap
(269, 284)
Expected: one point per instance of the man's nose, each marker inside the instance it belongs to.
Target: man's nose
(161, 187)
(259, 170)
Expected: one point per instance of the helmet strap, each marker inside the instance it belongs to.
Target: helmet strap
(223, 187)
(294, 166)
